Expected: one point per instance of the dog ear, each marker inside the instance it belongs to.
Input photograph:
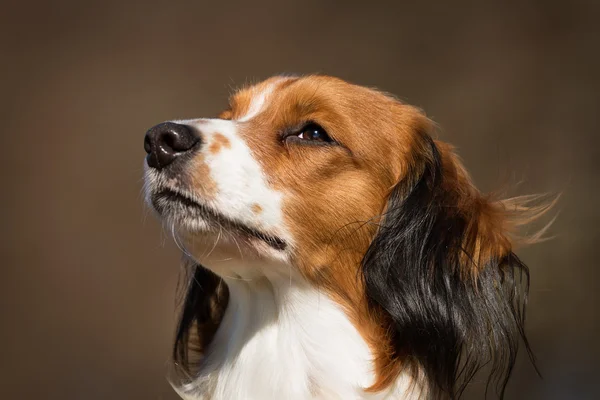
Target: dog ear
(204, 302)
(441, 267)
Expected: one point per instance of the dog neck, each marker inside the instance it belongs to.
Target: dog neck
(281, 338)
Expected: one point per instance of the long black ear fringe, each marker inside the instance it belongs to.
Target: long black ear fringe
(206, 297)
(445, 328)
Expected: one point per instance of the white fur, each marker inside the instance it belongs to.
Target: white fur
(257, 103)
(282, 339)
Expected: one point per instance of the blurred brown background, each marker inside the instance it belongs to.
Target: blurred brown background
(88, 283)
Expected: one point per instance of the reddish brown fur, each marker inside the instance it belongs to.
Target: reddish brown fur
(219, 141)
(200, 178)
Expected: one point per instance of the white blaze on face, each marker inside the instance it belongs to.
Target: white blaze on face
(258, 102)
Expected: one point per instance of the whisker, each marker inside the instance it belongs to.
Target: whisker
(180, 246)
(216, 241)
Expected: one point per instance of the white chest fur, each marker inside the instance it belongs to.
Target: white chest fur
(281, 341)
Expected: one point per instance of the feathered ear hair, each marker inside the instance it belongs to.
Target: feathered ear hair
(205, 299)
(441, 267)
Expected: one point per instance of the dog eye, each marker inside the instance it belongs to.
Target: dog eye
(314, 133)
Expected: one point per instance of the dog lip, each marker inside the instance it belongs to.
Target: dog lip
(171, 195)
(174, 196)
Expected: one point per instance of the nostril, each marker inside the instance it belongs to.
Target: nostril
(147, 144)
(169, 139)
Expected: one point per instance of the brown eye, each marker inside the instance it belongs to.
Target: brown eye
(315, 133)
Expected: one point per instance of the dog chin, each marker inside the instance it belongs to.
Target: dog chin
(225, 252)
(211, 244)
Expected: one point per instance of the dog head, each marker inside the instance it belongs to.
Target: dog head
(316, 180)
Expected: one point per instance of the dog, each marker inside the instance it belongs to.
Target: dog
(336, 250)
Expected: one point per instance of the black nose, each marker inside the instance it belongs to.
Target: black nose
(166, 141)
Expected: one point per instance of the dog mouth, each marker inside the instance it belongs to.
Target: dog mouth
(168, 201)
